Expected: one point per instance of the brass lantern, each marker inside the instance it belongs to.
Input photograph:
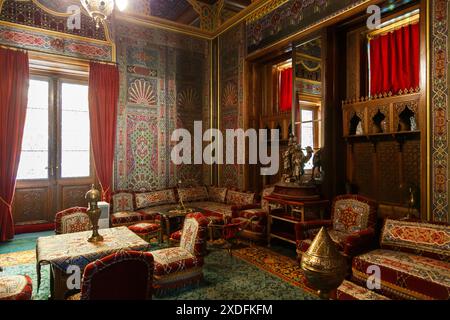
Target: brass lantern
(99, 10)
(324, 266)
(94, 213)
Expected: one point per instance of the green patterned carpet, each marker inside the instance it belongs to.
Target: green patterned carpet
(226, 278)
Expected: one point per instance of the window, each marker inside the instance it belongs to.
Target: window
(310, 124)
(56, 141)
(34, 156)
(74, 131)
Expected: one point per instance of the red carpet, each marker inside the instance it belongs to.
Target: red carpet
(29, 228)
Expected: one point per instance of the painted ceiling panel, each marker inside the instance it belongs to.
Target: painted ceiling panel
(169, 9)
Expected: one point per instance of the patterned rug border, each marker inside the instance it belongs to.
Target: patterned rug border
(17, 258)
(240, 253)
(246, 254)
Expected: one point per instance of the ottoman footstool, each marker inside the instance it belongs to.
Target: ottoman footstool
(16, 288)
(147, 230)
(351, 291)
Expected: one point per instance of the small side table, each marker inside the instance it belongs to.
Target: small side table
(229, 233)
(291, 213)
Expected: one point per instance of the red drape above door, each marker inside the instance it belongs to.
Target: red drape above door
(14, 82)
(285, 97)
(103, 98)
(395, 61)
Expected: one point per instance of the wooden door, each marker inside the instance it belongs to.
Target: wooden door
(55, 169)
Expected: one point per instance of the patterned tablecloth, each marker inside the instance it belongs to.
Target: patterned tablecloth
(64, 250)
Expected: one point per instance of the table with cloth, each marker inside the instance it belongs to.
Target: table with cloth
(73, 249)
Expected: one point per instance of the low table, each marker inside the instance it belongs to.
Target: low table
(72, 249)
(170, 215)
(229, 234)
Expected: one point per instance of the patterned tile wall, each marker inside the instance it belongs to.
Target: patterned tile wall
(440, 110)
(164, 85)
(231, 92)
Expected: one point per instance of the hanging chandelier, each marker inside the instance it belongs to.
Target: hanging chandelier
(100, 10)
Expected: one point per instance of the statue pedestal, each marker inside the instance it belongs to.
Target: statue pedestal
(295, 192)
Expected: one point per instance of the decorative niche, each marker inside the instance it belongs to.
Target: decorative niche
(381, 116)
(406, 116)
(379, 120)
(355, 125)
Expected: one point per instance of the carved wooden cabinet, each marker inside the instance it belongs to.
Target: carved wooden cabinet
(383, 136)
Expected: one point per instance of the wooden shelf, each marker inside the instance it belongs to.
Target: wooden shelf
(384, 135)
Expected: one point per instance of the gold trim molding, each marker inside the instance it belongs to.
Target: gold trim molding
(394, 26)
(164, 24)
(63, 35)
(268, 8)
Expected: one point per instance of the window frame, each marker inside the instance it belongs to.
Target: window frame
(55, 80)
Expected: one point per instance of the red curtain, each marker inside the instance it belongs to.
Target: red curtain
(285, 90)
(395, 61)
(14, 82)
(103, 98)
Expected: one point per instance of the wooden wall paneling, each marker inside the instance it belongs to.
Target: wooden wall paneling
(72, 195)
(349, 163)
(388, 172)
(411, 168)
(373, 193)
(353, 63)
(363, 169)
(33, 205)
(402, 186)
(275, 94)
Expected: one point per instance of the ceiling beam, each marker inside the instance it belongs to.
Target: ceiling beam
(188, 16)
(238, 4)
(241, 4)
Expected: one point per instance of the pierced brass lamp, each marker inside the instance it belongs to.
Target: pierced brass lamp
(324, 266)
(94, 212)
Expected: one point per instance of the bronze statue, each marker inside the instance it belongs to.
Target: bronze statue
(317, 163)
(294, 161)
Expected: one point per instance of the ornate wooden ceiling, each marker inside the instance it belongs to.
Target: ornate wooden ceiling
(180, 11)
(183, 11)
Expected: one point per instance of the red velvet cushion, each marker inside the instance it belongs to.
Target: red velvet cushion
(144, 227)
(176, 235)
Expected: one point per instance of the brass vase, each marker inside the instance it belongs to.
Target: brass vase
(324, 266)
(94, 213)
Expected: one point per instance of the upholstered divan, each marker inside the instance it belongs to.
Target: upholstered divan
(218, 205)
(180, 266)
(352, 226)
(414, 260)
(253, 218)
(128, 208)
